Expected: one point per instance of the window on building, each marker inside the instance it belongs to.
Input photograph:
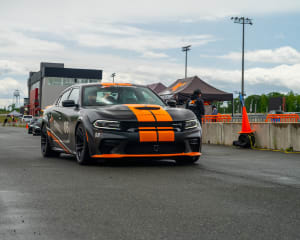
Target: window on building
(54, 81)
(68, 81)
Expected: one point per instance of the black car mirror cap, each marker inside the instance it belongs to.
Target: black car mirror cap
(68, 103)
(171, 103)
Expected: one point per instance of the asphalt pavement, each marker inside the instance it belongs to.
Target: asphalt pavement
(228, 194)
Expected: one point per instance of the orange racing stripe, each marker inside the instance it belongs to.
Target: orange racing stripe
(157, 114)
(57, 141)
(141, 115)
(116, 84)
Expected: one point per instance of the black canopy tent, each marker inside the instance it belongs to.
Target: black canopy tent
(157, 87)
(182, 89)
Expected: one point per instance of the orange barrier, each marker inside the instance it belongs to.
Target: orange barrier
(282, 118)
(216, 118)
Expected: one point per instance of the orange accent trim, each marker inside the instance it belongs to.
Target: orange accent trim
(141, 115)
(147, 128)
(193, 101)
(190, 154)
(178, 85)
(87, 137)
(57, 141)
(166, 136)
(165, 128)
(148, 136)
(116, 84)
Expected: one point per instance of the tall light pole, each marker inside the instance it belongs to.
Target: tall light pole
(243, 21)
(113, 76)
(186, 49)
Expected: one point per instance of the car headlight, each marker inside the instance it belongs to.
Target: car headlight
(105, 124)
(191, 124)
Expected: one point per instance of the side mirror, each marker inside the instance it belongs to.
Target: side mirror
(171, 103)
(68, 103)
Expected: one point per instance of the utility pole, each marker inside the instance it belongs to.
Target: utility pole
(243, 21)
(186, 49)
(113, 76)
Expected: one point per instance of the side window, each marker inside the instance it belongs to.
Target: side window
(74, 95)
(57, 101)
(64, 97)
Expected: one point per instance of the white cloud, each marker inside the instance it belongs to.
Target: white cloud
(139, 40)
(282, 55)
(11, 67)
(143, 10)
(15, 42)
(8, 85)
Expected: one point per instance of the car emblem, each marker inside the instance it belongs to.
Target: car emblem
(155, 148)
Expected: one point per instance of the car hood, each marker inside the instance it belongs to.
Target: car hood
(138, 112)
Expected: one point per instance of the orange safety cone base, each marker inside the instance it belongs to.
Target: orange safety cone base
(246, 128)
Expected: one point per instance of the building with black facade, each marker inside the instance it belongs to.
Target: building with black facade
(45, 85)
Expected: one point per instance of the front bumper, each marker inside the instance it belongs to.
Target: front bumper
(113, 144)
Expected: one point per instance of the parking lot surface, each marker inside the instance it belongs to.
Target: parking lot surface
(228, 194)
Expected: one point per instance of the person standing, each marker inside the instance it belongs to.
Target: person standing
(214, 113)
(5, 121)
(196, 104)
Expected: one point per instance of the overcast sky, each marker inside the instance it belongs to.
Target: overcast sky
(141, 41)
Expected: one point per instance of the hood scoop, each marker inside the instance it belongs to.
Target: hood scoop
(147, 108)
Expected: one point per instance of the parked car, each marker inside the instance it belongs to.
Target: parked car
(30, 125)
(36, 128)
(27, 118)
(276, 112)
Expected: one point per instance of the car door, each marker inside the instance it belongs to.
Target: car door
(57, 116)
(70, 116)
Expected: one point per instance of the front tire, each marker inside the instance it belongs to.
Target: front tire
(45, 144)
(82, 148)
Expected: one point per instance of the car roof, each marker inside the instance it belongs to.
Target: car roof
(107, 84)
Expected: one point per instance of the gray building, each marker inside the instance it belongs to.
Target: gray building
(45, 85)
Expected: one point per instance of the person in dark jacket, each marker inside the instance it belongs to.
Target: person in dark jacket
(196, 104)
(214, 110)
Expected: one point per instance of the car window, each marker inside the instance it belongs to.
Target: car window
(64, 97)
(74, 95)
(101, 96)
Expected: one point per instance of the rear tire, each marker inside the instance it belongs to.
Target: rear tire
(45, 144)
(82, 147)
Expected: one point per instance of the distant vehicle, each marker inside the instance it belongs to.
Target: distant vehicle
(27, 118)
(30, 125)
(276, 112)
(111, 121)
(36, 128)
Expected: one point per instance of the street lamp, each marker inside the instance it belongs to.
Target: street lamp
(113, 76)
(186, 49)
(243, 21)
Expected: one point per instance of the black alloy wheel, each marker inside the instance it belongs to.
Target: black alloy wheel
(82, 148)
(45, 144)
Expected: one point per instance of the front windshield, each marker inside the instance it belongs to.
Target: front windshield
(101, 96)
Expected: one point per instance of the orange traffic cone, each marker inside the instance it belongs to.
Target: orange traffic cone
(246, 128)
(26, 125)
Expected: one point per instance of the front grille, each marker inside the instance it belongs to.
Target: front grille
(134, 126)
(154, 148)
